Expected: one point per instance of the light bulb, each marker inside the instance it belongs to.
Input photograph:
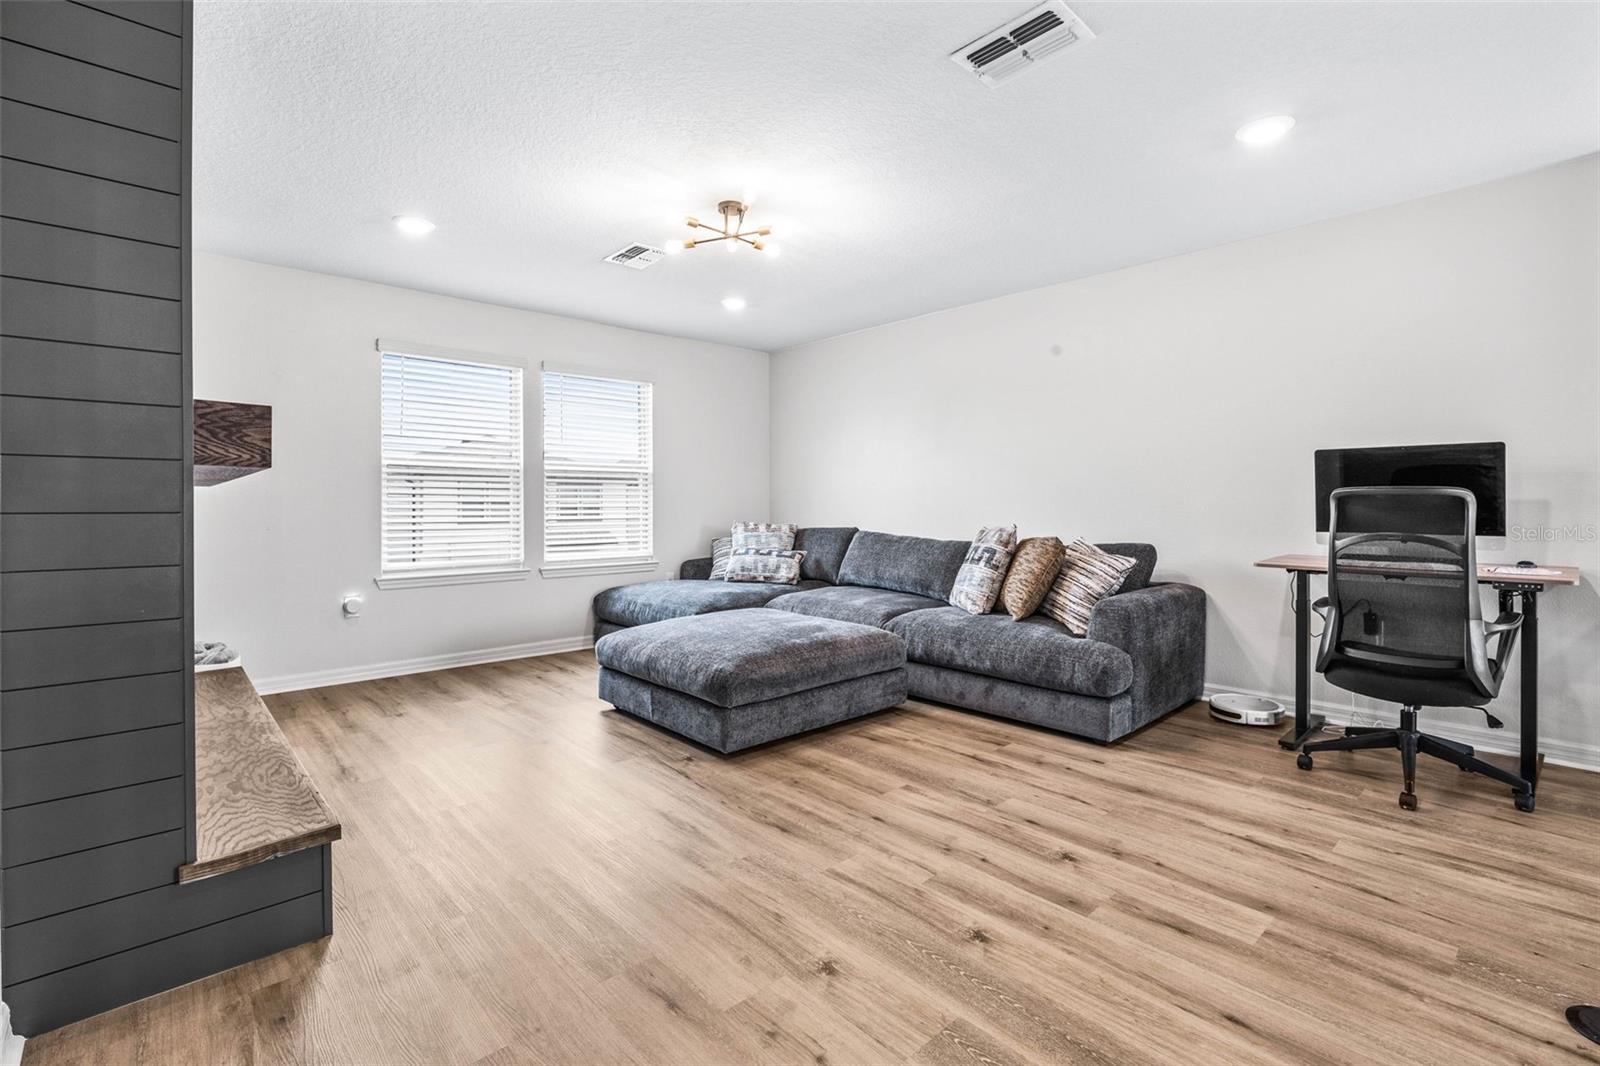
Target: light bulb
(733, 303)
(1264, 130)
(772, 250)
(731, 245)
(413, 225)
(673, 247)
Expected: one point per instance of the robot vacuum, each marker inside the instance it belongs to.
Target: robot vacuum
(1245, 710)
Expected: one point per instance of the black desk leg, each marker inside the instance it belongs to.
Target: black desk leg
(1530, 686)
(1305, 723)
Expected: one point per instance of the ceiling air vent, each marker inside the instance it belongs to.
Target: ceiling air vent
(636, 256)
(1021, 43)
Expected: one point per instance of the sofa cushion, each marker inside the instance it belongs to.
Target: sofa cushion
(852, 603)
(1035, 651)
(740, 657)
(1088, 575)
(776, 535)
(824, 547)
(653, 601)
(1033, 570)
(1144, 556)
(721, 549)
(977, 583)
(917, 565)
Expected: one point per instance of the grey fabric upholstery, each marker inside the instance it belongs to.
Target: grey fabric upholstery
(1139, 576)
(917, 565)
(655, 601)
(1035, 651)
(695, 569)
(1086, 716)
(824, 547)
(1163, 630)
(747, 656)
(852, 603)
(602, 627)
(729, 729)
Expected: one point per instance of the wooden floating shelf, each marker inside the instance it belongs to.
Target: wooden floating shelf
(230, 440)
(253, 801)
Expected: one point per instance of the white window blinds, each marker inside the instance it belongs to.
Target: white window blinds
(452, 465)
(597, 469)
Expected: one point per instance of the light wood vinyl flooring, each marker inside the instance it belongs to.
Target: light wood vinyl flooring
(527, 876)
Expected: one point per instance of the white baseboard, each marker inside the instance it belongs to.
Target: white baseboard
(1503, 741)
(10, 1043)
(400, 667)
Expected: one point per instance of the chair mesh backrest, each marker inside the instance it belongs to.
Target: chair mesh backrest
(1426, 614)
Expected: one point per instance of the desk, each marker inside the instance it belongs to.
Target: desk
(1525, 587)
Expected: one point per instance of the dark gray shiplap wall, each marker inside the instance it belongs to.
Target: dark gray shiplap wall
(96, 588)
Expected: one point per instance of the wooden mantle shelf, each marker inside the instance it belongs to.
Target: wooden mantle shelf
(253, 800)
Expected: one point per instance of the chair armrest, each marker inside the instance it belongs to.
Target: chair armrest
(695, 569)
(1321, 607)
(1162, 627)
(1506, 628)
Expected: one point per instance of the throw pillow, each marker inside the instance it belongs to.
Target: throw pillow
(1088, 575)
(770, 566)
(778, 536)
(978, 580)
(721, 548)
(1033, 570)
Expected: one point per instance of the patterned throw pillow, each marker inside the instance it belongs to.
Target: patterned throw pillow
(978, 580)
(1033, 570)
(721, 548)
(775, 535)
(1088, 575)
(770, 566)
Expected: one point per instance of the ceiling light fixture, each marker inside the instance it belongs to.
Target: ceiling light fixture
(733, 303)
(732, 230)
(1264, 130)
(413, 225)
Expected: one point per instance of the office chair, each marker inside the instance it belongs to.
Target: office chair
(1403, 622)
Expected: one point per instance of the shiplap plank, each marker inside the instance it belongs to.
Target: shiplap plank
(87, 316)
(91, 260)
(74, 767)
(59, 827)
(49, 138)
(46, 79)
(95, 37)
(89, 372)
(89, 541)
(164, 15)
(51, 886)
(31, 425)
(59, 485)
(40, 599)
(92, 708)
(38, 657)
(61, 198)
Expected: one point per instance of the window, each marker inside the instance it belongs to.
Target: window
(597, 472)
(452, 469)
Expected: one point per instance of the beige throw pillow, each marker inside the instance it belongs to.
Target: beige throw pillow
(1033, 570)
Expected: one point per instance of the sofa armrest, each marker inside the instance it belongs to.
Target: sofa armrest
(1162, 627)
(695, 569)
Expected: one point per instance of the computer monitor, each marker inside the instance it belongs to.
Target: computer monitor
(1479, 468)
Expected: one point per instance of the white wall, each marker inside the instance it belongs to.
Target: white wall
(1179, 402)
(276, 551)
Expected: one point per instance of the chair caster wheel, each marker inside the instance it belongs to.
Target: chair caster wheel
(1524, 801)
(1303, 761)
(1408, 801)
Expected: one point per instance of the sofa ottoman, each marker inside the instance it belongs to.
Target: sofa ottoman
(738, 678)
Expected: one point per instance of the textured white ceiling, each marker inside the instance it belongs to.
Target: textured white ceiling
(543, 136)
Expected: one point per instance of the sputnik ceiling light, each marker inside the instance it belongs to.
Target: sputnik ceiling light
(732, 231)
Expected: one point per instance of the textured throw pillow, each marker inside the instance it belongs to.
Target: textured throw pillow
(721, 548)
(770, 566)
(978, 580)
(1033, 570)
(778, 536)
(1088, 575)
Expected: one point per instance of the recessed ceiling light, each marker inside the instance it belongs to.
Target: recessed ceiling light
(413, 225)
(733, 303)
(1264, 130)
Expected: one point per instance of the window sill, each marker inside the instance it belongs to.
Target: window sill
(602, 566)
(449, 577)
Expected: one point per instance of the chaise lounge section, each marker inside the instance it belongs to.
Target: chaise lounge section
(1142, 657)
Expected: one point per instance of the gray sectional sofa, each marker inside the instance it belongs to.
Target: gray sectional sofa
(1143, 656)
